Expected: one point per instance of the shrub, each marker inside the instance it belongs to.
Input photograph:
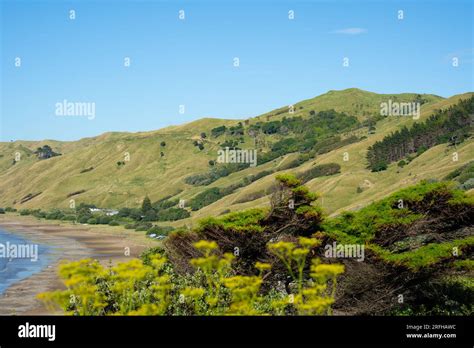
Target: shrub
(150, 287)
(215, 132)
(83, 219)
(318, 171)
(205, 198)
(54, 214)
(143, 226)
(172, 214)
(401, 163)
(251, 230)
(92, 221)
(380, 166)
(104, 219)
(214, 174)
(467, 185)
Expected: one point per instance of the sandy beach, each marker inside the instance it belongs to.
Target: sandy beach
(68, 242)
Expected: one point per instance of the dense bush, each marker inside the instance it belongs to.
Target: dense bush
(173, 214)
(151, 287)
(251, 230)
(318, 171)
(205, 198)
(462, 174)
(451, 126)
(214, 174)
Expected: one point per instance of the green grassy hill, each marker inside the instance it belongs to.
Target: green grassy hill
(119, 169)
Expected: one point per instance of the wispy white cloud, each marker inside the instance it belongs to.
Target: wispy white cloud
(350, 31)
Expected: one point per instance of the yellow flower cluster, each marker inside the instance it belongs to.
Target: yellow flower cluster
(136, 288)
(311, 297)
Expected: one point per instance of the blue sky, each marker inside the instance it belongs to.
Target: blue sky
(190, 62)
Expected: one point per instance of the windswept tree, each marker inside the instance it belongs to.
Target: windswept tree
(146, 205)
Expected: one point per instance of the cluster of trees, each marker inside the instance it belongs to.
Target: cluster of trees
(213, 194)
(198, 144)
(309, 136)
(214, 174)
(449, 126)
(45, 152)
(139, 219)
(162, 210)
(237, 130)
(215, 132)
(314, 135)
(316, 124)
(318, 171)
(232, 143)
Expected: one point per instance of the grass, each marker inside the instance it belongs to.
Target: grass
(148, 173)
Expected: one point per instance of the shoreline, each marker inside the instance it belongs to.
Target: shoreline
(69, 242)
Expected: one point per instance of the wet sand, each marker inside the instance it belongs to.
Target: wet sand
(68, 242)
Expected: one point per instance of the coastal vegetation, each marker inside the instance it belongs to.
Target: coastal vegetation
(274, 261)
(390, 231)
(194, 276)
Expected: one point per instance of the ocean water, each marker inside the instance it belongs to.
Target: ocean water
(14, 268)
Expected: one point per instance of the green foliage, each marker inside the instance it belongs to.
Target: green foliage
(309, 136)
(401, 163)
(45, 152)
(205, 198)
(172, 214)
(146, 205)
(213, 194)
(318, 171)
(427, 255)
(151, 287)
(448, 126)
(289, 180)
(450, 295)
(361, 226)
(214, 174)
(251, 230)
(244, 221)
(215, 132)
(463, 174)
(439, 202)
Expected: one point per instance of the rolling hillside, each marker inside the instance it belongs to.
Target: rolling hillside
(115, 170)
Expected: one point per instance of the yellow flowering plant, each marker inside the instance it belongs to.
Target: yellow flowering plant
(152, 288)
(311, 297)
